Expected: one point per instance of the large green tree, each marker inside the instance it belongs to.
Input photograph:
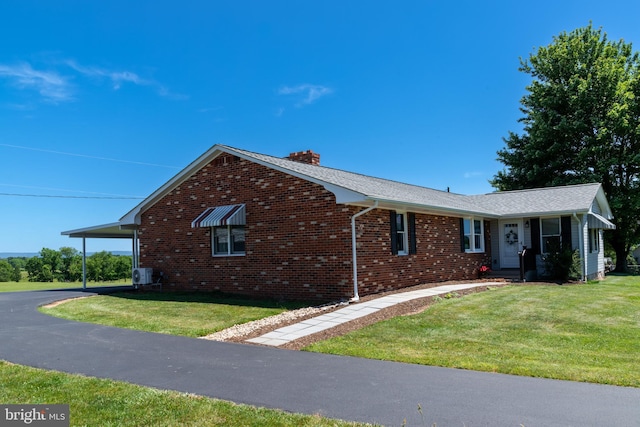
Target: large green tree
(69, 259)
(8, 273)
(581, 124)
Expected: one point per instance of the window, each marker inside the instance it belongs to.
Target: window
(228, 240)
(401, 234)
(550, 233)
(594, 240)
(473, 235)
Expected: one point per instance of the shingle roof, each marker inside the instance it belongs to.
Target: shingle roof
(571, 198)
(565, 199)
(361, 189)
(370, 187)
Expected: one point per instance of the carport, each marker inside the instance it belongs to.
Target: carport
(114, 230)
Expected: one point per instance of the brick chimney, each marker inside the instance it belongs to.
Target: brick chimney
(305, 157)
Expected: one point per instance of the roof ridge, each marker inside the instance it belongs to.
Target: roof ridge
(525, 190)
(339, 170)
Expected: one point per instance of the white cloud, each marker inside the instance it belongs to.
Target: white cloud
(208, 109)
(116, 77)
(55, 88)
(473, 174)
(309, 92)
(51, 85)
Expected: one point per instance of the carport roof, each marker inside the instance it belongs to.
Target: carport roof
(106, 231)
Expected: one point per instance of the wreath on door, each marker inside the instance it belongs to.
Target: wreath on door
(511, 237)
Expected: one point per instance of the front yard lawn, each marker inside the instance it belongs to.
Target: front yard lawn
(587, 332)
(100, 402)
(186, 314)
(45, 286)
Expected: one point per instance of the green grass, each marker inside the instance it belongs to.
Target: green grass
(99, 402)
(186, 314)
(46, 286)
(588, 332)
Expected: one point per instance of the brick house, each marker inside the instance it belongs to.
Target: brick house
(247, 223)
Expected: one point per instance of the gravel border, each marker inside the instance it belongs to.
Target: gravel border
(242, 332)
(247, 330)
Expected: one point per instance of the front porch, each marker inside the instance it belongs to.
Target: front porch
(507, 274)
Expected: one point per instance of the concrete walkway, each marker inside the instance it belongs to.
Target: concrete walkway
(293, 332)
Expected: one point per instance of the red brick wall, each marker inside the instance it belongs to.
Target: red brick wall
(298, 240)
(297, 237)
(439, 257)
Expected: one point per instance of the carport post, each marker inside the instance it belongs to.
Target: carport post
(135, 261)
(84, 263)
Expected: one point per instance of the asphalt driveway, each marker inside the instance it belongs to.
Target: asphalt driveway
(338, 387)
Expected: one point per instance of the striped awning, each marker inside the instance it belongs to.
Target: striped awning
(221, 215)
(597, 221)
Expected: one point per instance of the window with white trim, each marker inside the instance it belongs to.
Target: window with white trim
(473, 235)
(594, 240)
(228, 240)
(401, 234)
(550, 234)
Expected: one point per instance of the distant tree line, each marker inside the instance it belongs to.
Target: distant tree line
(65, 265)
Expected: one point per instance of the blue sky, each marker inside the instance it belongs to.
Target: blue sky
(102, 102)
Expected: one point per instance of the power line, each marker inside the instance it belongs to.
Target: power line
(72, 197)
(88, 157)
(33, 187)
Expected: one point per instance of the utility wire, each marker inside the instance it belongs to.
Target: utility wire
(88, 157)
(72, 197)
(96, 193)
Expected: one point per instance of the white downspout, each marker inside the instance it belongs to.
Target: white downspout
(583, 253)
(354, 254)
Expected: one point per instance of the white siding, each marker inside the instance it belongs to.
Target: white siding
(596, 259)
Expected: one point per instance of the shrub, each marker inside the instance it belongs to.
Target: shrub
(562, 262)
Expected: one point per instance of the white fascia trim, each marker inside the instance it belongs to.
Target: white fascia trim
(431, 210)
(343, 195)
(543, 214)
(133, 216)
(604, 204)
(91, 228)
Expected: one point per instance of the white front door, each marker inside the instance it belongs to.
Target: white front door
(511, 241)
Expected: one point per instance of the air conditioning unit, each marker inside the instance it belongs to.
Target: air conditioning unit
(142, 276)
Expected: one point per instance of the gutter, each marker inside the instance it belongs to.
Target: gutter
(438, 210)
(583, 253)
(354, 253)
